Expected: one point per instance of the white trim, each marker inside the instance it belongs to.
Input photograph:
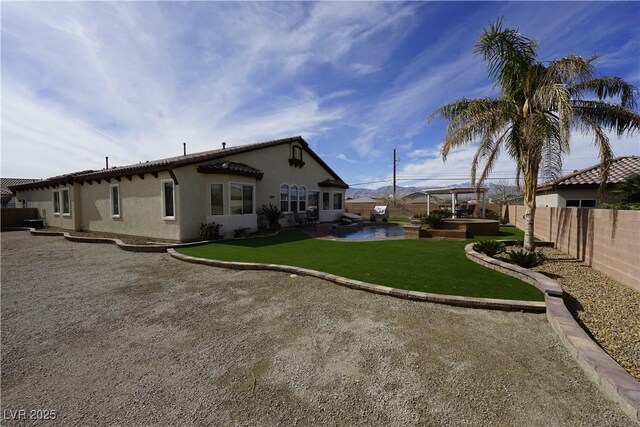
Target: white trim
(280, 197)
(210, 201)
(53, 199)
(253, 197)
(62, 190)
(173, 187)
(113, 215)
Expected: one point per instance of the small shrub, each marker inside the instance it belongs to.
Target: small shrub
(272, 214)
(489, 247)
(434, 219)
(526, 259)
(489, 214)
(210, 231)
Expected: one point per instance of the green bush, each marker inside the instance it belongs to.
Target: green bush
(434, 219)
(526, 259)
(210, 231)
(489, 247)
(622, 206)
(272, 214)
(489, 214)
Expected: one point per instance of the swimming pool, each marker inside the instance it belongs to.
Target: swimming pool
(370, 232)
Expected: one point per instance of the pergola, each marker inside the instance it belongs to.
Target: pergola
(454, 191)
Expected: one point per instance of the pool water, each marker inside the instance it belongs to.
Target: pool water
(371, 232)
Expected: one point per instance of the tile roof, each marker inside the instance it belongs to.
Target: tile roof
(174, 162)
(231, 168)
(333, 183)
(5, 183)
(620, 169)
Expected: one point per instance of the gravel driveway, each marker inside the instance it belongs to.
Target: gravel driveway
(109, 337)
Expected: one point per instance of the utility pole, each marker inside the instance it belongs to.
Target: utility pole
(394, 176)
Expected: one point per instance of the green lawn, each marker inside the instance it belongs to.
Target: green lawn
(430, 266)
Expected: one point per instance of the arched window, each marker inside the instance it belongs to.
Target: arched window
(302, 198)
(293, 196)
(284, 198)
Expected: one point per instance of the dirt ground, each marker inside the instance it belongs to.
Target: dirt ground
(104, 336)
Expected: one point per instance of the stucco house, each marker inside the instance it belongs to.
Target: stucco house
(8, 198)
(170, 198)
(579, 189)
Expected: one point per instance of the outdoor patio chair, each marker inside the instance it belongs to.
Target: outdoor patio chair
(300, 218)
(311, 216)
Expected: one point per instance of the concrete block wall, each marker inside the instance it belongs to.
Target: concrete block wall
(605, 239)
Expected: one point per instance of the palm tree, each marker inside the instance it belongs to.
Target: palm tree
(538, 105)
(628, 191)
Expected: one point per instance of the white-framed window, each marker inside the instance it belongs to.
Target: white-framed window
(168, 199)
(241, 196)
(302, 198)
(24, 203)
(284, 198)
(66, 202)
(217, 199)
(297, 152)
(56, 202)
(325, 201)
(293, 195)
(114, 190)
(337, 201)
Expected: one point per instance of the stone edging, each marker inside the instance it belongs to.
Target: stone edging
(124, 246)
(616, 383)
(486, 303)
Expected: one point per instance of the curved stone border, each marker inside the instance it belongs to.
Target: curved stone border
(616, 383)
(487, 303)
(124, 246)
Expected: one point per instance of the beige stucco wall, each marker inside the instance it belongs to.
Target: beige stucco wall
(42, 199)
(274, 161)
(195, 203)
(558, 198)
(141, 209)
(141, 203)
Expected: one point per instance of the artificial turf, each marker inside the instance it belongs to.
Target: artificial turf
(430, 266)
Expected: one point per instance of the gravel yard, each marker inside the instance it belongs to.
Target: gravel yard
(609, 310)
(102, 336)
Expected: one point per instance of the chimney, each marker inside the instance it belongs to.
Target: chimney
(224, 145)
(184, 148)
(106, 161)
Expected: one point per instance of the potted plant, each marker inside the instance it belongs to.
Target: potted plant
(272, 214)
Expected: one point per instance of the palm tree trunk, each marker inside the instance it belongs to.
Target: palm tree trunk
(530, 178)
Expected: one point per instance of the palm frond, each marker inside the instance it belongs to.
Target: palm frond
(556, 97)
(491, 157)
(571, 70)
(509, 56)
(605, 152)
(608, 87)
(608, 116)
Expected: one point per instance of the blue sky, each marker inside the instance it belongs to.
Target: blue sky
(133, 81)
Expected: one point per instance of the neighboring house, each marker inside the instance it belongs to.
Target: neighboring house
(8, 199)
(170, 198)
(365, 200)
(580, 188)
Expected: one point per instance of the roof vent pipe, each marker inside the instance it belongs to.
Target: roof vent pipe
(106, 161)
(184, 148)
(224, 145)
